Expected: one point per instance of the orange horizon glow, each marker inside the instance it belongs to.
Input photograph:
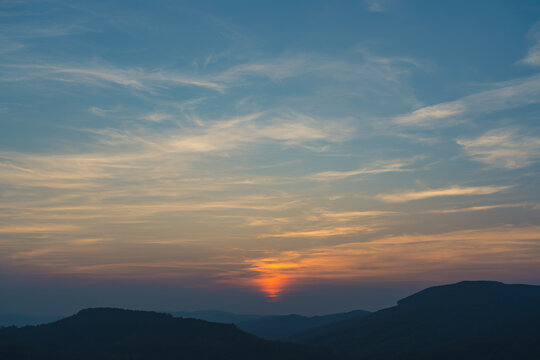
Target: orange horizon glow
(272, 286)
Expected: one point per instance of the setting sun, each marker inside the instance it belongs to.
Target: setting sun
(272, 286)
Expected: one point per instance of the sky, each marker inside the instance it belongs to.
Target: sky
(265, 157)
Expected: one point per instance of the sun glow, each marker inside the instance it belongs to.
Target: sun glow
(272, 285)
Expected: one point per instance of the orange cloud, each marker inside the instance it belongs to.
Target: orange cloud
(451, 191)
(326, 232)
(486, 252)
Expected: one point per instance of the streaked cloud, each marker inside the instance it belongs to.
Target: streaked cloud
(291, 129)
(425, 115)
(37, 228)
(381, 72)
(135, 78)
(339, 175)
(46, 31)
(506, 95)
(324, 232)
(266, 221)
(132, 152)
(533, 55)
(353, 215)
(156, 117)
(494, 250)
(450, 191)
(476, 208)
(375, 5)
(505, 147)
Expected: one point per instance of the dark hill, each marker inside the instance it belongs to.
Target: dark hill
(468, 320)
(282, 327)
(217, 316)
(106, 333)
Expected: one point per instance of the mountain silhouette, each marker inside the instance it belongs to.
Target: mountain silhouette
(217, 316)
(107, 333)
(27, 319)
(467, 320)
(283, 327)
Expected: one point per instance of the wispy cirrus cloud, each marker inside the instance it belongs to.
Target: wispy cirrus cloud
(375, 5)
(37, 228)
(41, 31)
(476, 208)
(290, 129)
(533, 55)
(426, 256)
(343, 216)
(322, 232)
(156, 117)
(386, 167)
(427, 114)
(136, 150)
(214, 136)
(507, 95)
(382, 73)
(141, 175)
(371, 67)
(134, 78)
(505, 147)
(450, 191)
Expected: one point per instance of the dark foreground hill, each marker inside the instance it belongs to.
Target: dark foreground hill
(283, 327)
(468, 320)
(106, 333)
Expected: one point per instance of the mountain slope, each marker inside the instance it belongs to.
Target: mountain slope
(106, 333)
(282, 327)
(467, 320)
(26, 319)
(217, 316)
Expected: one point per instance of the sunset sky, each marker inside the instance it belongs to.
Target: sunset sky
(271, 157)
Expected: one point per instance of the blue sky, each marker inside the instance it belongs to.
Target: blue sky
(264, 152)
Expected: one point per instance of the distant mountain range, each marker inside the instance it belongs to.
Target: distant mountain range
(106, 333)
(271, 327)
(27, 319)
(467, 320)
(217, 316)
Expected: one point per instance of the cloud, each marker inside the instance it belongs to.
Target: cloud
(494, 250)
(290, 129)
(353, 215)
(276, 69)
(533, 55)
(135, 78)
(374, 5)
(266, 221)
(382, 68)
(380, 75)
(325, 232)
(476, 208)
(7, 46)
(505, 147)
(478, 252)
(339, 175)
(430, 113)
(33, 32)
(451, 191)
(98, 111)
(156, 117)
(507, 95)
(37, 228)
